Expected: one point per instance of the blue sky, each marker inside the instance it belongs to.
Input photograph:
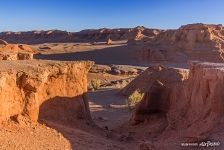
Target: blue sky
(75, 15)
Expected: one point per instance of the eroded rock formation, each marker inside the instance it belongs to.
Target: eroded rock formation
(145, 81)
(15, 52)
(190, 42)
(196, 105)
(27, 86)
(193, 106)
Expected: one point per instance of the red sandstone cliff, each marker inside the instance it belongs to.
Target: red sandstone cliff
(27, 86)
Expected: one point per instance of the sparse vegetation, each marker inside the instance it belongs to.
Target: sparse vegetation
(134, 98)
(95, 84)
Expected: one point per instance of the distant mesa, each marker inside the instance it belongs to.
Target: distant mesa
(85, 36)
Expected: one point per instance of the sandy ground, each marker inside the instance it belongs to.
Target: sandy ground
(14, 136)
(119, 53)
(53, 48)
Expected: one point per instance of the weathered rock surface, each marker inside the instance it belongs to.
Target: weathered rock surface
(16, 52)
(145, 80)
(197, 105)
(201, 42)
(193, 107)
(29, 86)
(57, 36)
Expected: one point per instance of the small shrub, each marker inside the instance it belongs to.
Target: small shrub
(95, 84)
(134, 98)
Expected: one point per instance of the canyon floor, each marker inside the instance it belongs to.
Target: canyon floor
(119, 53)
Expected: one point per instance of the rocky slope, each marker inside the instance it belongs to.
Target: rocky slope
(190, 42)
(95, 35)
(56, 90)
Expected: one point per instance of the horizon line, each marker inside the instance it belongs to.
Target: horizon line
(100, 28)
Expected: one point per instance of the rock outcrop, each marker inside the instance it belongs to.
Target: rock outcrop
(193, 106)
(196, 105)
(16, 52)
(145, 80)
(109, 41)
(190, 42)
(32, 87)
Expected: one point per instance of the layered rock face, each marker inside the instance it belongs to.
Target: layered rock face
(197, 105)
(193, 106)
(30, 86)
(57, 36)
(190, 42)
(15, 52)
